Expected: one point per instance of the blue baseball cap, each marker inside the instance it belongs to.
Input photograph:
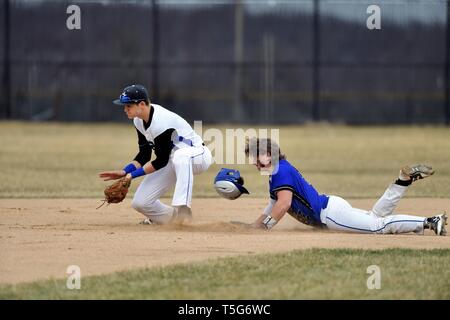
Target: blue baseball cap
(132, 94)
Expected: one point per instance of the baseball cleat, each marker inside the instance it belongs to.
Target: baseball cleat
(415, 172)
(146, 221)
(182, 213)
(437, 224)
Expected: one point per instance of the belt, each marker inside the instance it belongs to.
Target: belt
(187, 141)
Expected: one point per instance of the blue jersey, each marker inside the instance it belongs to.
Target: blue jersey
(306, 201)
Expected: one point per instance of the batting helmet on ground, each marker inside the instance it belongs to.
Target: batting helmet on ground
(229, 184)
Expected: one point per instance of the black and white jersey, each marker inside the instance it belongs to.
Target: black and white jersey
(164, 131)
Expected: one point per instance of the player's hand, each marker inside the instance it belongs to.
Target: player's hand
(112, 175)
(128, 177)
(259, 226)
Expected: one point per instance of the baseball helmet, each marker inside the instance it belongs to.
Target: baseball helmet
(132, 94)
(229, 184)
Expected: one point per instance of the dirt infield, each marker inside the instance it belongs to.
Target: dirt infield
(40, 238)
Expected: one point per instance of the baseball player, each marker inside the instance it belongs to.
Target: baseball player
(180, 154)
(291, 193)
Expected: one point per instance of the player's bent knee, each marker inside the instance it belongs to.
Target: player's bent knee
(138, 205)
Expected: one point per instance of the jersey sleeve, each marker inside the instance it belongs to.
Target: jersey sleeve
(283, 180)
(145, 149)
(163, 148)
(268, 209)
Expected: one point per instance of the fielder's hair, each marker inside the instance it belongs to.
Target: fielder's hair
(255, 147)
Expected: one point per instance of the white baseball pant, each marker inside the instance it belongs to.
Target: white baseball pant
(183, 164)
(340, 215)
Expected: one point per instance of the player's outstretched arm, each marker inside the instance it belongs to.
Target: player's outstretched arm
(116, 174)
(111, 175)
(278, 211)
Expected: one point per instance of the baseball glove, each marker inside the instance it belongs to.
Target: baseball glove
(116, 192)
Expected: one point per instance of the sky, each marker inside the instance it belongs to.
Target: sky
(398, 11)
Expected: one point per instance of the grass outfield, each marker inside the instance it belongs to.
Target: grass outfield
(306, 274)
(60, 160)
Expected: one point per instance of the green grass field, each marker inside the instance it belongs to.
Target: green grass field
(59, 160)
(307, 274)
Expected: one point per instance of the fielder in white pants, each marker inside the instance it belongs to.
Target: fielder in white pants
(291, 193)
(180, 154)
(183, 164)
